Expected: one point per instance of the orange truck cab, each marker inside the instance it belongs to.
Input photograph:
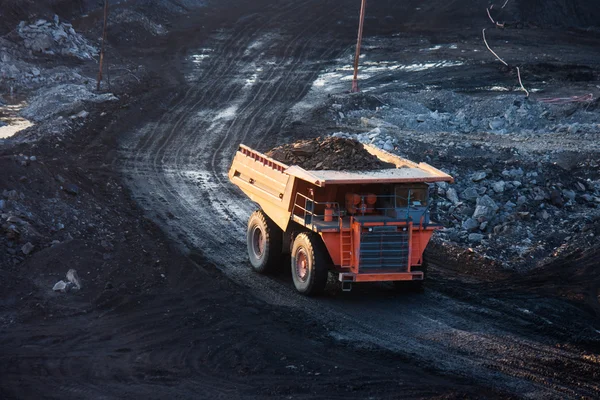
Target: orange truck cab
(365, 226)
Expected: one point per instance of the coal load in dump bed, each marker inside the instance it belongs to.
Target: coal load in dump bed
(330, 153)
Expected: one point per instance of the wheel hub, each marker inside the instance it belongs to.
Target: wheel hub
(258, 242)
(301, 265)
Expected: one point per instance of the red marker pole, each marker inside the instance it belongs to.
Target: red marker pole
(363, 8)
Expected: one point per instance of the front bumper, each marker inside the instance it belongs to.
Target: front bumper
(381, 276)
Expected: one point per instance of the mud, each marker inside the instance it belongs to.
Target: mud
(174, 309)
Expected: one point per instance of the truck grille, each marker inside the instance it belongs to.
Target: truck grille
(385, 249)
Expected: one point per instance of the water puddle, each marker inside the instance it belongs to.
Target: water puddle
(228, 113)
(439, 47)
(426, 66)
(370, 69)
(504, 89)
(10, 120)
(201, 56)
(253, 78)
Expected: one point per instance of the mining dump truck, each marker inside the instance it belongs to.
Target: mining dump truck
(365, 226)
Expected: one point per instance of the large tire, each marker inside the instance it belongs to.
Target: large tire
(264, 240)
(310, 264)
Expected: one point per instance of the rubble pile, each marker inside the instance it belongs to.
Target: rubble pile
(456, 112)
(55, 38)
(60, 99)
(331, 153)
(20, 69)
(18, 75)
(525, 189)
(518, 214)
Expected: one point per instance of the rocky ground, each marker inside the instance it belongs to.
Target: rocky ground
(139, 317)
(522, 196)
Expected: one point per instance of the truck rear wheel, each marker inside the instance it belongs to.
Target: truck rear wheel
(264, 240)
(310, 262)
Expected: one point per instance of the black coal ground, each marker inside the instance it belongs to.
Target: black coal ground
(150, 322)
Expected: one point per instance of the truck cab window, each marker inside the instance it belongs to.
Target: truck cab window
(416, 194)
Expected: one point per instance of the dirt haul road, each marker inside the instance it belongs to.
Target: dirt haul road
(241, 82)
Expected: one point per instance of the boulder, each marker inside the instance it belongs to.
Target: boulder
(470, 193)
(496, 123)
(40, 43)
(587, 197)
(452, 195)
(60, 286)
(82, 114)
(499, 186)
(470, 225)
(442, 185)
(74, 278)
(476, 237)
(543, 215)
(27, 248)
(479, 176)
(540, 194)
(514, 173)
(569, 194)
(486, 207)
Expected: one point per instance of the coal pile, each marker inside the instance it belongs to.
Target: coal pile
(329, 153)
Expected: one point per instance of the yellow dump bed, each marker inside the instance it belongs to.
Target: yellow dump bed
(273, 184)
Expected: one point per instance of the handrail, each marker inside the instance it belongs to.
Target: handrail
(394, 207)
(310, 214)
(336, 209)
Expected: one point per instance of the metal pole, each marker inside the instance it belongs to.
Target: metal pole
(102, 47)
(363, 8)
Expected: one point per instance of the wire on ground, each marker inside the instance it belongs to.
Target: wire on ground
(498, 24)
(505, 63)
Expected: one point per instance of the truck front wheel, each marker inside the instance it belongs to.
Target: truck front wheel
(310, 263)
(264, 240)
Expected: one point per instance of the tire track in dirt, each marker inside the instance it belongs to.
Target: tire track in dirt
(248, 120)
(192, 100)
(188, 188)
(182, 109)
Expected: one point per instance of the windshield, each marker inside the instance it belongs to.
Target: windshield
(416, 194)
